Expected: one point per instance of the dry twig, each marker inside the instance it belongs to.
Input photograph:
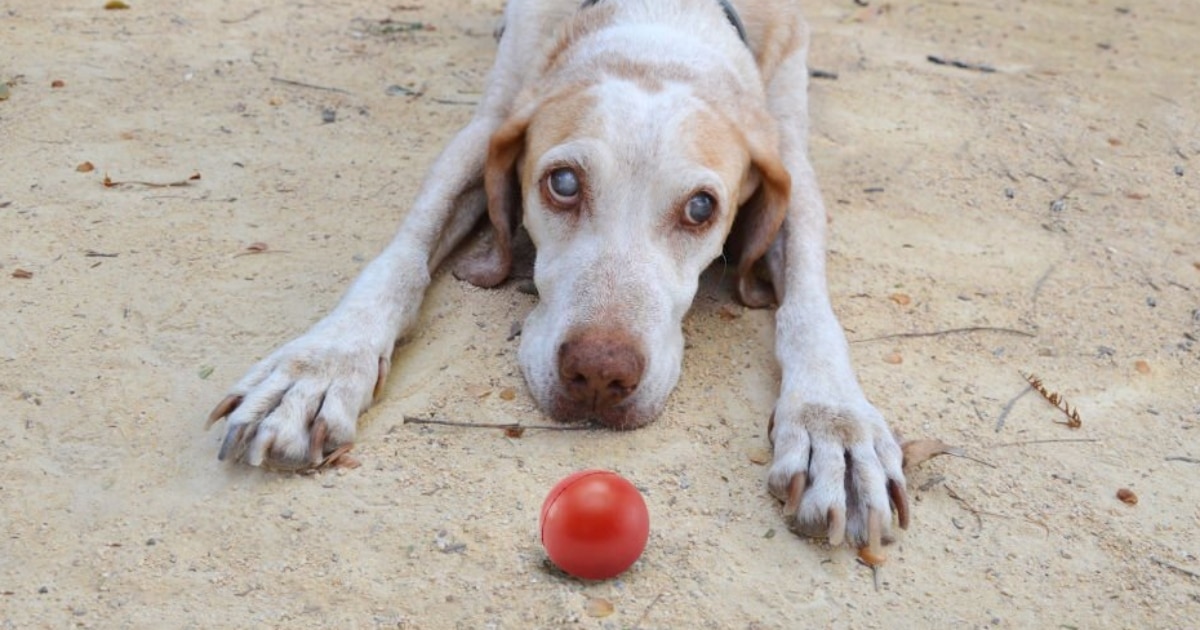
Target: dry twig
(1008, 407)
(1175, 567)
(1058, 441)
(109, 183)
(948, 331)
(508, 427)
(310, 86)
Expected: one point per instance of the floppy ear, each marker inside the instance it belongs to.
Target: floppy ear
(492, 266)
(757, 225)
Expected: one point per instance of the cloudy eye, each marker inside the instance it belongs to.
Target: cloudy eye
(699, 209)
(563, 186)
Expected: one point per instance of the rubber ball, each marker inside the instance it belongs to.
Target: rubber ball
(594, 524)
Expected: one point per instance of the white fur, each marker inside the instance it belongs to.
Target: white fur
(617, 256)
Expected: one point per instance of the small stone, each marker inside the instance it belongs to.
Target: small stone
(1141, 366)
(893, 358)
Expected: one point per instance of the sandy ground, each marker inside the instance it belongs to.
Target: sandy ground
(1055, 196)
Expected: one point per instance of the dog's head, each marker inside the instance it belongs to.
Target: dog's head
(630, 176)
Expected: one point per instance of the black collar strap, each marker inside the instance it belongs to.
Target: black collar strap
(730, 13)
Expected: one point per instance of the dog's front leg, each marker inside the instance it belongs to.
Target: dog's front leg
(303, 401)
(837, 466)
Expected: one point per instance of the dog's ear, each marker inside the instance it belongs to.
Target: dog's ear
(758, 223)
(503, 188)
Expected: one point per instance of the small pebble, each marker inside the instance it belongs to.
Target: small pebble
(1179, 170)
(328, 115)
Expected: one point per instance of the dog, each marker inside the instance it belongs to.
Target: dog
(634, 142)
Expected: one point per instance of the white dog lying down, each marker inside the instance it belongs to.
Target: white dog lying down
(633, 140)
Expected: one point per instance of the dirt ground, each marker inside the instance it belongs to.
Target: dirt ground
(1042, 218)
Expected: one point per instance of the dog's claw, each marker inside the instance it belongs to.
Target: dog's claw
(899, 499)
(385, 366)
(260, 451)
(223, 408)
(875, 533)
(316, 442)
(837, 526)
(795, 493)
(231, 443)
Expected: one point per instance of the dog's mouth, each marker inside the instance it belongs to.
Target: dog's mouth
(624, 417)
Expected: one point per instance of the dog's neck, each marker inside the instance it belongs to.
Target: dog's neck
(726, 5)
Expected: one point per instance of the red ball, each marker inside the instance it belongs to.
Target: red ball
(594, 524)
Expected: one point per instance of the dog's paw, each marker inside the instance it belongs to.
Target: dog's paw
(838, 472)
(301, 403)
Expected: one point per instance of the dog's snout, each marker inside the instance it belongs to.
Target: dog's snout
(600, 368)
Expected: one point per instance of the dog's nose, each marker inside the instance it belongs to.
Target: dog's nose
(599, 368)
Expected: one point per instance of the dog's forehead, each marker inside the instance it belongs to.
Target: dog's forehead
(641, 124)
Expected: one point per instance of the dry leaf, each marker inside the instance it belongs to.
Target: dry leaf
(508, 393)
(900, 298)
(1136, 196)
(57, 83)
(85, 167)
(893, 359)
(22, 274)
(115, 5)
(257, 246)
(1127, 496)
(759, 456)
(599, 607)
(514, 432)
(870, 558)
(478, 391)
(345, 460)
(917, 452)
(339, 458)
(1141, 366)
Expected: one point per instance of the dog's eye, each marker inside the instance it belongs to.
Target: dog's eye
(699, 209)
(563, 185)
